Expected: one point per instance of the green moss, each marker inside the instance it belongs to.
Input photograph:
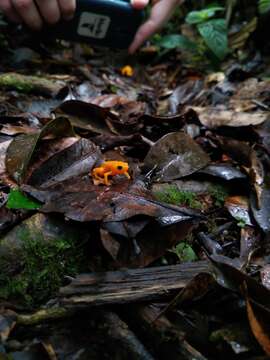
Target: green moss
(16, 82)
(172, 195)
(219, 194)
(44, 265)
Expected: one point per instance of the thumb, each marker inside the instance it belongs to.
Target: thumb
(139, 4)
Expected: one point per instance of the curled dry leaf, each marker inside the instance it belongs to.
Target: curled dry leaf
(214, 118)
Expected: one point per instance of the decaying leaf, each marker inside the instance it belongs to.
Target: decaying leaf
(77, 159)
(214, 118)
(259, 320)
(261, 214)
(21, 149)
(238, 207)
(174, 156)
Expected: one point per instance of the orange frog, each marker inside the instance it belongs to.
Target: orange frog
(109, 168)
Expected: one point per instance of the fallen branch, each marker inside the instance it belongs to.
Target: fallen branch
(30, 84)
(119, 287)
(44, 315)
(155, 327)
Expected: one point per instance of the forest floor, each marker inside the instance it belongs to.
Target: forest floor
(170, 257)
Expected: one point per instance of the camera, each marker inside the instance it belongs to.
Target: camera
(109, 23)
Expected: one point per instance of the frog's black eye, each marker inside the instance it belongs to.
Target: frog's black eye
(119, 167)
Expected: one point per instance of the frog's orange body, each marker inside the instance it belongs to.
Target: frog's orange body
(109, 168)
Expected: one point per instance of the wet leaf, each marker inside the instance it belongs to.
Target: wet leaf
(175, 41)
(210, 244)
(78, 159)
(152, 243)
(214, 33)
(259, 320)
(239, 151)
(196, 17)
(238, 207)
(17, 200)
(230, 277)
(223, 171)
(7, 218)
(97, 204)
(185, 94)
(22, 148)
(174, 156)
(86, 116)
(261, 215)
(184, 252)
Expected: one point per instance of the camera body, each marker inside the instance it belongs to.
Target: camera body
(110, 23)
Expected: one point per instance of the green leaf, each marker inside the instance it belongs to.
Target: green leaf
(264, 6)
(17, 200)
(197, 17)
(175, 41)
(184, 252)
(214, 33)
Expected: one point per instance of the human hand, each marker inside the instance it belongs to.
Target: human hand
(161, 12)
(35, 13)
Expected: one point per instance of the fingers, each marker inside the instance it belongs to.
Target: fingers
(160, 14)
(49, 10)
(28, 13)
(139, 4)
(67, 8)
(33, 14)
(8, 9)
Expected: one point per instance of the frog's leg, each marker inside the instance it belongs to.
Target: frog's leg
(106, 180)
(127, 175)
(96, 173)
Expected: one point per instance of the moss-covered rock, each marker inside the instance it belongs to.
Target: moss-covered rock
(36, 255)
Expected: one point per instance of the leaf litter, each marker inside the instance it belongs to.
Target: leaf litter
(183, 245)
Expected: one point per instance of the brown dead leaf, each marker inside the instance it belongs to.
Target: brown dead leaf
(238, 207)
(109, 100)
(259, 320)
(214, 118)
(175, 155)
